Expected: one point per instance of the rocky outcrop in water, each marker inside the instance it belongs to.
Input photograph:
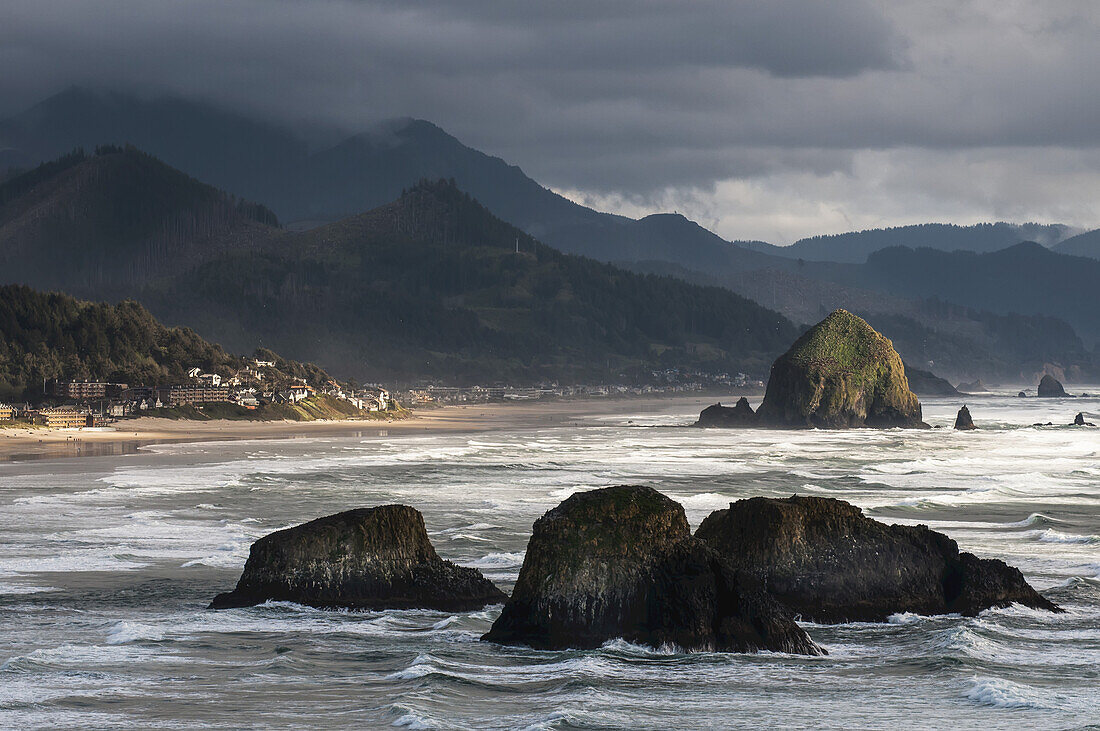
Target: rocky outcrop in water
(370, 558)
(1022, 394)
(963, 422)
(621, 562)
(1079, 420)
(718, 415)
(841, 373)
(927, 383)
(1051, 387)
(973, 387)
(822, 558)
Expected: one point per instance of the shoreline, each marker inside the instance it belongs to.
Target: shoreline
(127, 437)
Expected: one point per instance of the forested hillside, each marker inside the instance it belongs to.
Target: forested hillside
(101, 222)
(856, 246)
(432, 285)
(54, 336)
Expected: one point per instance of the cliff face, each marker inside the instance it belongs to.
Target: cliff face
(621, 562)
(369, 558)
(824, 559)
(839, 374)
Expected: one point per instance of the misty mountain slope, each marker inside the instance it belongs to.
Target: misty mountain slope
(961, 342)
(1027, 279)
(99, 224)
(1086, 244)
(263, 162)
(856, 246)
(371, 169)
(431, 286)
(245, 156)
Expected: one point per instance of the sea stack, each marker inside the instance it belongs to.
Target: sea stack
(841, 373)
(822, 558)
(740, 414)
(963, 422)
(1079, 420)
(973, 387)
(369, 558)
(1051, 387)
(927, 383)
(621, 562)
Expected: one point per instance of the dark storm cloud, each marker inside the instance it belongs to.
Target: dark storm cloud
(733, 110)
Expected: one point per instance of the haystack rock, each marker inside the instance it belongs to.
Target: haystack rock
(1051, 387)
(824, 559)
(963, 422)
(839, 374)
(369, 558)
(621, 562)
(740, 414)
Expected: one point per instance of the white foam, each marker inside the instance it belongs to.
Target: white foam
(420, 667)
(1033, 519)
(12, 589)
(1001, 693)
(1049, 535)
(906, 618)
(499, 561)
(124, 632)
(411, 720)
(620, 645)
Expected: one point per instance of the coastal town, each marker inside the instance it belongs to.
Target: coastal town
(88, 404)
(91, 404)
(670, 381)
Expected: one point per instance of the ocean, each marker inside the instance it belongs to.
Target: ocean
(107, 565)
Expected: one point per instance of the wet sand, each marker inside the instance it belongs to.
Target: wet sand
(126, 437)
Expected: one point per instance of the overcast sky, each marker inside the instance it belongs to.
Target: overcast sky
(772, 120)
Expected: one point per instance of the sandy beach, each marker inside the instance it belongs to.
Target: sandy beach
(128, 436)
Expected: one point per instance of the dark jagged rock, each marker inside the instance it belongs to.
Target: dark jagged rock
(1079, 420)
(973, 387)
(824, 559)
(927, 383)
(728, 416)
(369, 558)
(841, 373)
(963, 422)
(621, 562)
(1051, 387)
(1022, 394)
(1039, 423)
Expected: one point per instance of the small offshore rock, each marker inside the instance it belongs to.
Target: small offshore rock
(1080, 420)
(1051, 387)
(718, 415)
(368, 558)
(963, 422)
(927, 383)
(973, 387)
(1021, 394)
(823, 559)
(621, 562)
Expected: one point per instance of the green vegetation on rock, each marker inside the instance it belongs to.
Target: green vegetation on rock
(840, 373)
